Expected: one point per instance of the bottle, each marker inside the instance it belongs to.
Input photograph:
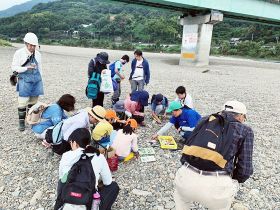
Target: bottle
(96, 201)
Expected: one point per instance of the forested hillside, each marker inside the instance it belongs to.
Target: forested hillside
(93, 23)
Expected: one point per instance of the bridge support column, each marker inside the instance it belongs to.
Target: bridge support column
(196, 39)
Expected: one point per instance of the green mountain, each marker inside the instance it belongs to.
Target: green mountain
(21, 8)
(96, 23)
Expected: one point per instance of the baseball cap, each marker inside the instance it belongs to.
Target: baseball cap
(174, 105)
(235, 106)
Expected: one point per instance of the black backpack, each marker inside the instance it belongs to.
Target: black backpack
(80, 185)
(208, 146)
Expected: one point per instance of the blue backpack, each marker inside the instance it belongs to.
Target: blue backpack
(93, 86)
(112, 68)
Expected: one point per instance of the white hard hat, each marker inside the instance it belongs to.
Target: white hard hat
(235, 106)
(31, 38)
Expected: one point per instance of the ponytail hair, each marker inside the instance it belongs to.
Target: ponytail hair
(91, 149)
(127, 129)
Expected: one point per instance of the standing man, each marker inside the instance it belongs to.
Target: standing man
(117, 74)
(27, 64)
(217, 156)
(140, 72)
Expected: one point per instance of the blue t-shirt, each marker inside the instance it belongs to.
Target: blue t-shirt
(164, 103)
(188, 118)
(118, 65)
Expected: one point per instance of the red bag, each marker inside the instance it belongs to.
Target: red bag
(113, 163)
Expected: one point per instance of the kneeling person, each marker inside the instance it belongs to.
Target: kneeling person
(159, 103)
(183, 119)
(92, 167)
(57, 137)
(125, 141)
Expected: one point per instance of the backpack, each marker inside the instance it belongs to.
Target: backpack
(208, 146)
(34, 115)
(80, 185)
(112, 68)
(93, 86)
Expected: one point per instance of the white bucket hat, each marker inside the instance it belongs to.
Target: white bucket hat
(31, 38)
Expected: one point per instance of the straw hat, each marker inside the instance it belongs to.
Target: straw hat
(98, 112)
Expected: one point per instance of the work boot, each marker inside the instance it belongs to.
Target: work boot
(21, 117)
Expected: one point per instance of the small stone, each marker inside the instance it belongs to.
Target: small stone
(254, 192)
(30, 179)
(52, 195)
(23, 205)
(239, 206)
(150, 199)
(141, 192)
(37, 196)
(2, 189)
(16, 193)
(6, 173)
(40, 208)
(172, 176)
(169, 205)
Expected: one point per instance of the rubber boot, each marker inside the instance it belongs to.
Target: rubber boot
(28, 107)
(21, 118)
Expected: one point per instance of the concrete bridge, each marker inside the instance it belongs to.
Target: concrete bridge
(199, 17)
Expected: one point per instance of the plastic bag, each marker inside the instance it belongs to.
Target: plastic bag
(106, 82)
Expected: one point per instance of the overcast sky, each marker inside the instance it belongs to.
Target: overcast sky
(6, 4)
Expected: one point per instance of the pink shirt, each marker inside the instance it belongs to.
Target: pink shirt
(132, 106)
(124, 143)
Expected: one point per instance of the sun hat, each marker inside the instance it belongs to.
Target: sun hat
(235, 106)
(133, 123)
(103, 57)
(174, 105)
(98, 112)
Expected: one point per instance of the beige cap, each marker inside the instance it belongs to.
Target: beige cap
(235, 106)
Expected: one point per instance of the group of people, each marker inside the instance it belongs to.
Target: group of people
(217, 152)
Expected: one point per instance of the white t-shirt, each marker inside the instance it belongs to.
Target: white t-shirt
(139, 71)
(186, 101)
(80, 120)
(99, 165)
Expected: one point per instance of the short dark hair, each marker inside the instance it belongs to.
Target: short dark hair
(138, 52)
(67, 102)
(181, 90)
(126, 58)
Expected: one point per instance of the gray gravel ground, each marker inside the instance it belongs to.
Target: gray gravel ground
(28, 172)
